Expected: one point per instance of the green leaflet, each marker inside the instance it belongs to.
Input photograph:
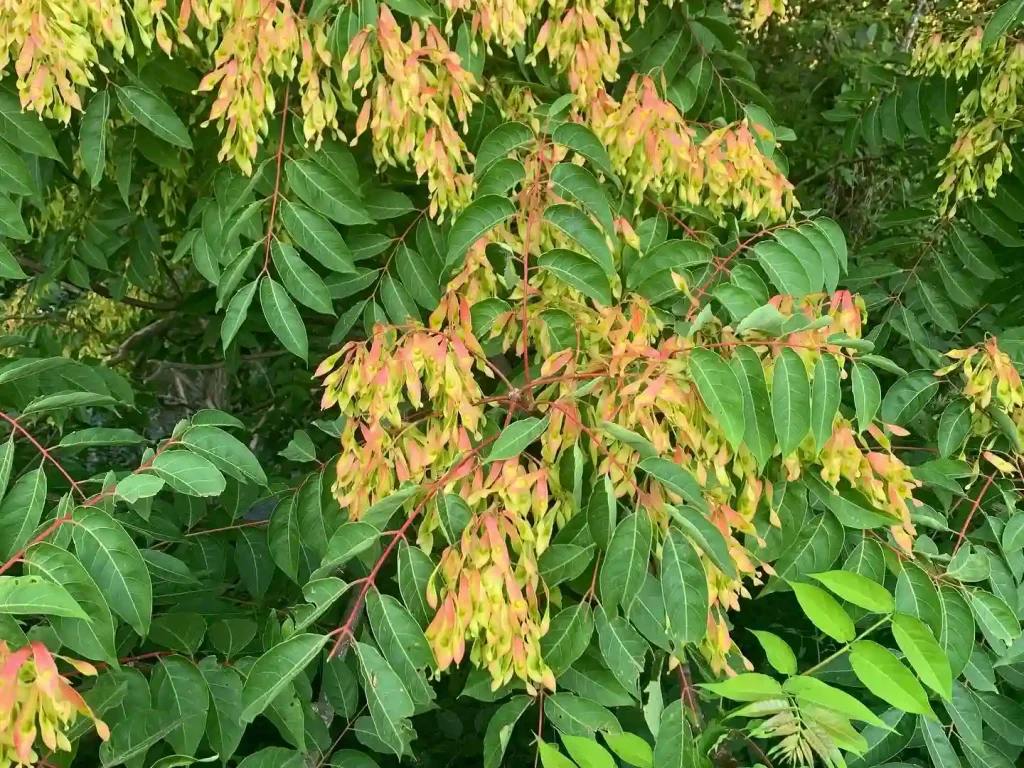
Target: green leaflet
(684, 588)
(721, 391)
(283, 318)
(624, 567)
(275, 670)
(92, 637)
(116, 565)
(791, 401)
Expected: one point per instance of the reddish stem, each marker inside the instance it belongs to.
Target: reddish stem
(57, 523)
(722, 265)
(345, 630)
(970, 515)
(17, 556)
(540, 725)
(45, 453)
(277, 175)
(250, 524)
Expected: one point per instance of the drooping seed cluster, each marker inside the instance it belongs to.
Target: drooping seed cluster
(987, 119)
(992, 386)
(53, 44)
(37, 702)
(656, 150)
(411, 85)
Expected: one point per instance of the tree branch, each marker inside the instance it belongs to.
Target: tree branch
(101, 290)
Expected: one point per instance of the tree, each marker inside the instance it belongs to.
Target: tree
(479, 383)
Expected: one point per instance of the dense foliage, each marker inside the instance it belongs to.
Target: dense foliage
(492, 383)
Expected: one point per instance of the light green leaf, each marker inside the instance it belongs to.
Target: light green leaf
(817, 692)
(517, 437)
(749, 686)
(858, 590)
(116, 565)
(631, 749)
(886, 677)
(588, 753)
(924, 653)
(154, 114)
(777, 651)
(824, 612)
(552, 758)
(32, 595)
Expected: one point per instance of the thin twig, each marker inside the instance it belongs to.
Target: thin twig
(970, 515)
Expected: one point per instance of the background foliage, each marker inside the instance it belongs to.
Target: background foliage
(669, 414)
